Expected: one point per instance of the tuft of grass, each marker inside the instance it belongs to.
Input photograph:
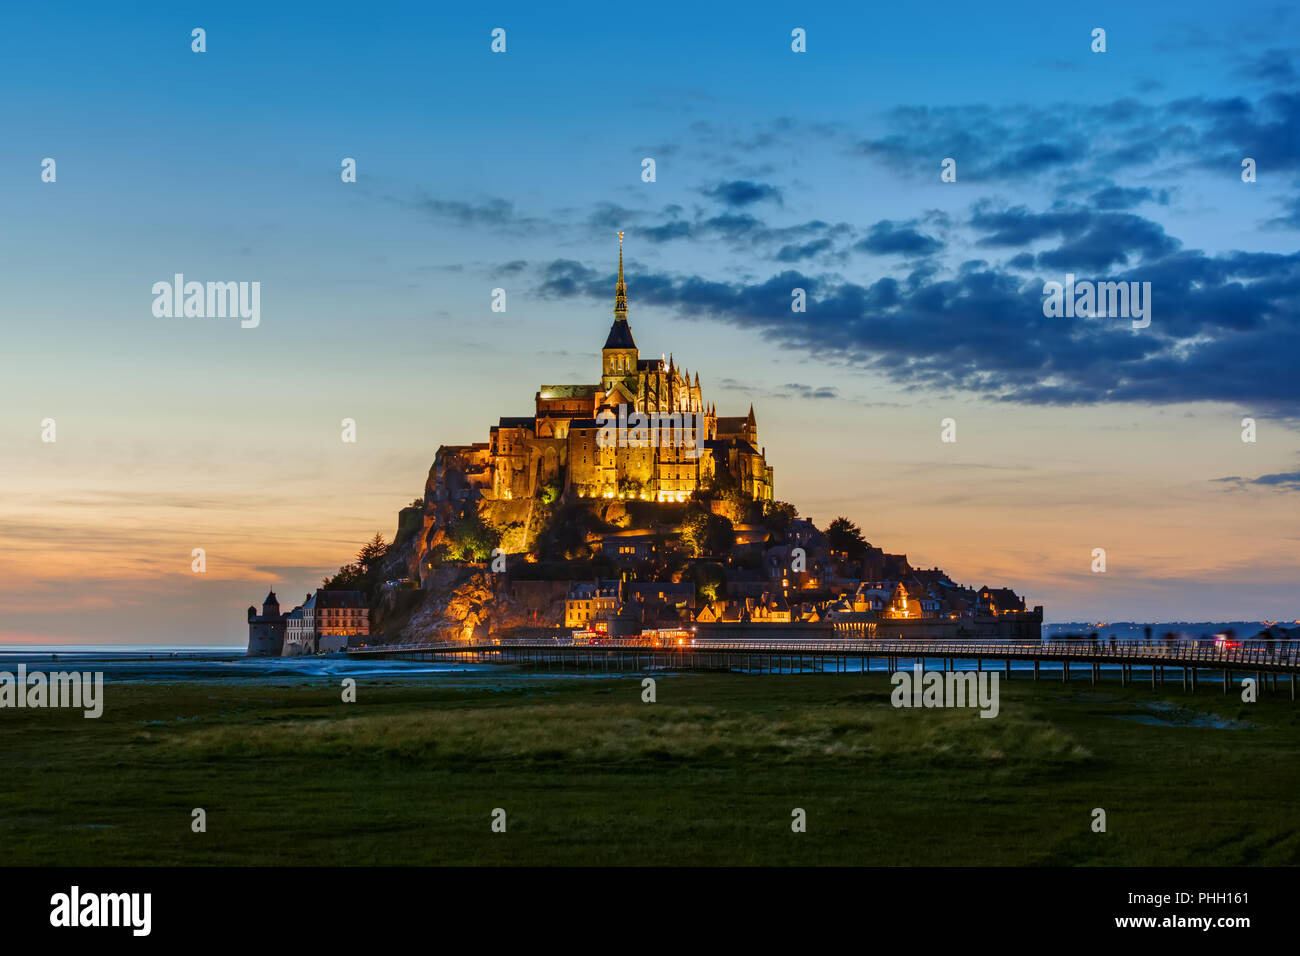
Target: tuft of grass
(623, 735)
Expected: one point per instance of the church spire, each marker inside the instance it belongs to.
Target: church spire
(620, 333)
(620, 290)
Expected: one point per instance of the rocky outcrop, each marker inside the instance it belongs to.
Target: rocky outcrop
(460, 603)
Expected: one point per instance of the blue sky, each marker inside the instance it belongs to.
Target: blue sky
(774, 170)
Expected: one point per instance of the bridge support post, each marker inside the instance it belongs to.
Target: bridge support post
(1225, 681)
(1092, 674)
(1293, 686)
(1035, 670)
(1260, 682)
(1184, 680)
(979, 663)
(1153, 676)
(1065, 671)
(1194, 671)
(1008, 668)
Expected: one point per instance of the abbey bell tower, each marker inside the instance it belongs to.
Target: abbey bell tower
(619, 356)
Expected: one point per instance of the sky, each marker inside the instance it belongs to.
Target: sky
(774, 170)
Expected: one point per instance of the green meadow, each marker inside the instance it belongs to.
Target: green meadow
(710, 773)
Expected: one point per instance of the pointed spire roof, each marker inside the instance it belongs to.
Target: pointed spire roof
(751, 413)
(620, 289)
(620, 333)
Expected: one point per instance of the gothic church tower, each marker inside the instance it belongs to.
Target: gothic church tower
(619, 356)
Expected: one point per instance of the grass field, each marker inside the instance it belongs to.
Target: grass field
(588, 774)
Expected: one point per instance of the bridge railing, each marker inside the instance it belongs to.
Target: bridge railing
(1278, 652)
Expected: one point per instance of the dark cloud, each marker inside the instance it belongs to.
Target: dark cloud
(1091, 240)
(734, 225)
(996, 144)
(1223, 328)
(742, 192)
(608, 215)
(799, 390)
(1119, 197)
(667, 231)
(750, 235)
(493, 213)
(1036, 158)
(806, 250)
(788, 390)
(1289, 480)
(885, 238)
(564, 278)
(1283, 481)
(1290, 218)
(1271, 66)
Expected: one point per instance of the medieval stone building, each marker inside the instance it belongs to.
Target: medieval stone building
(266, 630)
(322, 624)
(575, 440)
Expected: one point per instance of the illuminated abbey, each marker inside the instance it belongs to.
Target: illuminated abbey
(565, 444)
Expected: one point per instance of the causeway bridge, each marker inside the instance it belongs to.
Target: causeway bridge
(1188, 661)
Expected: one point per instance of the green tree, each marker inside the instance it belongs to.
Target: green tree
(350, 577)
(550, 491)
(844, 535)
(365, 573)
(472, 538)
(372, 552)
(710, 581)
(705, 533)
(778, 515)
